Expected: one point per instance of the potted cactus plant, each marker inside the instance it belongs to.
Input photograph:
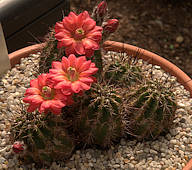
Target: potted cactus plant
(81, 98)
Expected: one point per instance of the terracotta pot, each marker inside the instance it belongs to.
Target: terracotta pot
(150, 57)
(16, 56)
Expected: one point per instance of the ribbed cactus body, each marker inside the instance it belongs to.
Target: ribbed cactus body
(151, 109)
(50, 53)
(99, 121)
(45, 137)
(125, 72)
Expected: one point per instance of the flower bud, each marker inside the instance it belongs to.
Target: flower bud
(111, 26)
(102, 8)
(18, 147)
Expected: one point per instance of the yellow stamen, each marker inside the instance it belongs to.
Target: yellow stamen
(72, 74)
(47, 93)
(80, 31)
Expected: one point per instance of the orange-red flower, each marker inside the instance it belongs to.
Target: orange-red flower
(102, 8)
(73, 74)
(78, 34)
(111, 26)
(41, 95)
(18, 147)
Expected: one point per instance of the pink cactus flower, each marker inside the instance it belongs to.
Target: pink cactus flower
(73, 73)
(41, 95)
(18, 147)
(78, 34)
(102, 8)
(111, 26)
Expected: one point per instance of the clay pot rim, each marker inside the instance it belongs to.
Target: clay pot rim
(153, 59)
(150, 57)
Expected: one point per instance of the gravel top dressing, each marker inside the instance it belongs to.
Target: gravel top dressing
(167, 152)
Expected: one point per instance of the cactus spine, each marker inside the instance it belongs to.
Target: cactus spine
(99, 120)
(44, 135)
(50, 53)
(150, 109)
(123, 69)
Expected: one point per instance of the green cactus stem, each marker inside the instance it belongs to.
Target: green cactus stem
(99, 119)
(150, 110)
(50, 53)
(44, 135)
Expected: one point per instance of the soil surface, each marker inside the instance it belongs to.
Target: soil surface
(161, 26)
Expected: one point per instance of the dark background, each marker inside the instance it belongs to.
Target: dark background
(25, 22)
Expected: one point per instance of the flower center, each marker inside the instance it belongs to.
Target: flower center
(47, 93)
(79, 34)
(72, 74)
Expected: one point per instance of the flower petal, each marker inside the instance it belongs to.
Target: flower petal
(60, 96)
(80, 19)
(57, 104)
(90, 44)
(42, 80)
(72, 15)
(67, 41)
(44, 106)
(34, 83)
(85, 15)
(56, 65)
(62, 85)
(76, 87)
(32, 91)
(58, 26)
(79, 62)
(85, 86)
(65, 63)
(85, 66)
(69, 22)
(88, 72)
(79, 48)
(86, 80)
(95, 36)
(72, 60)
(55, 71)
(89, 24)
(32, 107)
(35, 99)
(70, 50)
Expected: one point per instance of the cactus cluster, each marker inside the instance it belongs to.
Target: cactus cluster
(123, 100)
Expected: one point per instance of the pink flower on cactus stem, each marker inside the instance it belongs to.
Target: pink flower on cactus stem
(102, 8)
(78, 34)
(18, 147)
(111, 26)
(43, 96)
(73, 73)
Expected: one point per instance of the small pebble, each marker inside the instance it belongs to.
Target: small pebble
(179, 39)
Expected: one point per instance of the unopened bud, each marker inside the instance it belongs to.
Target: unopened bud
(18, 147)
(102, 8)
(111, 26)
